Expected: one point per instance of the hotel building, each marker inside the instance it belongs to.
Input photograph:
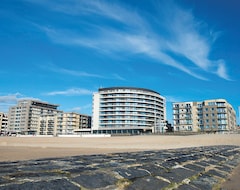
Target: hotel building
(207, 116)
(127, 110)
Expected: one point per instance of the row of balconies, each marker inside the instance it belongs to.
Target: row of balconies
(182, 107)
(182, 112)
(130, 95)
(113, 124)
(128, 119)
(130, 114)
(131, 105)
(130, 100)
(147, 110)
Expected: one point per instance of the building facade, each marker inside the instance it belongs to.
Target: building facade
(24, 117)
(3, 123)
(64, 123)
(70, 123)
(127, 110)
(48, 124)
(31, 117)
(208, 116)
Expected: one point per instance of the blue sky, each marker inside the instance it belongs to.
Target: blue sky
(61, 51)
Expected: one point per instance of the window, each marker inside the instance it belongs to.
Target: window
(211, 103)
(219, 104)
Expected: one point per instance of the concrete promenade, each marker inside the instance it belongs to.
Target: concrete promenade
(202, 167)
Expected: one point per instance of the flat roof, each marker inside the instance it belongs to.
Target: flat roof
(124, 87)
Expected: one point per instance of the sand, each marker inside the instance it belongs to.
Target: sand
(25, 148)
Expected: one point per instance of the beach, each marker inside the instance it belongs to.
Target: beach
(32, 147)
(25, 148)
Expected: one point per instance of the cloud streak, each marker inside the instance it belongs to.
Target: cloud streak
(65, 71)
(81, 108)
(136, 34)
(70, 92)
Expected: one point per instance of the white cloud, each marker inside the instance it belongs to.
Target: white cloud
(116, 76)
(61, 70)
(83, 109)
(221, 70)
(138, 35)
(190, 43)
(71, 92)
(172, 99)
(9, 100)
(74, 72)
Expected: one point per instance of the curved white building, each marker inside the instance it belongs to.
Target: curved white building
(127, 110)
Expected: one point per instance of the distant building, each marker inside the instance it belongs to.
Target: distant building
(24, 117)
(209, 116)
(3, 123)
(121, 110)
(41, 118)
(48, 124)
(73, 123)
(64, 124)
(238, 115)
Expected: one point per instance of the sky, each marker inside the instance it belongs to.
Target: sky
(62, 51)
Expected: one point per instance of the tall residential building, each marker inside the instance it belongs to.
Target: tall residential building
(209, 116)
(127, 110)
(24, 117)
(3, 123)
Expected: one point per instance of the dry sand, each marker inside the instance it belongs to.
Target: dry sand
(24, 148)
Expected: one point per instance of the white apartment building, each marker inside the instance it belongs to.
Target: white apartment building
(24, 117)
(215, 115)
(3, 123)
(129, 110)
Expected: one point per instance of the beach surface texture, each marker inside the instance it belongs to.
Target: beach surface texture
(221, 150)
